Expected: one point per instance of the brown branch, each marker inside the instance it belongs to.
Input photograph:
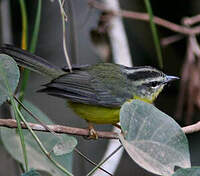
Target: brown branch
(11, 123)
(191, 20)
(191, 128)
(171, 39)
(145, 17)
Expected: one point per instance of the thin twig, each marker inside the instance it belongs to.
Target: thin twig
(191, 20)
(171, 39)
(90, 161)
(11, 123)
(103, 161)
(145, 17)
(73, 32)
(191, 128)
(64, 18)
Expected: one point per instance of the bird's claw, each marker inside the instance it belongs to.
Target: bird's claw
(92, 133)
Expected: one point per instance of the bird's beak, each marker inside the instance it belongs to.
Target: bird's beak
(171, 78)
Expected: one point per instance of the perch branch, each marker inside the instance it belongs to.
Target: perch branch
(11, 123)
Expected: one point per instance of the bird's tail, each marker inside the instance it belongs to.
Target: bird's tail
(31, 61)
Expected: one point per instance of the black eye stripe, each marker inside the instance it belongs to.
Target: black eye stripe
(152, 84)
(143, 75)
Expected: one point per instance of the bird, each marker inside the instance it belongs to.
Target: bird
(95, 92)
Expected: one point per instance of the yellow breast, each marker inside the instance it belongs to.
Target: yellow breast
(96, 114)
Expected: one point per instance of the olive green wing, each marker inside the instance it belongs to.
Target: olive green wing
(85, 86)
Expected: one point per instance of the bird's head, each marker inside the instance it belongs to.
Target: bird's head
(147, 82)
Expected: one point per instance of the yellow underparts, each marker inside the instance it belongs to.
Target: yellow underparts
(103, 115)
(96, 114)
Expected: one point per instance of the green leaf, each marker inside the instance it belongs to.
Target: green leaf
(153, 139)
(36, 158)
(193, 171)
(65, 143)
(32, 172)
(9, 77)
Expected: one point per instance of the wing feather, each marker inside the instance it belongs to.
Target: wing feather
(85, 86)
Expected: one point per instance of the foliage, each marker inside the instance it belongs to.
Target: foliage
(9, 76)
(153, 139)
(193, 171)
(10, 137)
(32, 172)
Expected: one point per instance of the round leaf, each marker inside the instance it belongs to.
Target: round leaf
(193, 171)
(9, 77)
(31, 172)
(153, 139)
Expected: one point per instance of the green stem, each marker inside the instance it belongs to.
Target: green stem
(34, 38)
(154, 33)
(24, 45)
(24, 25)
(33, 41)
(42, 147)
(19, 128)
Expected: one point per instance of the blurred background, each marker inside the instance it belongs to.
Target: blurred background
(82, 42)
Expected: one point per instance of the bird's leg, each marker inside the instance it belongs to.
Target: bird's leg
(92, 132)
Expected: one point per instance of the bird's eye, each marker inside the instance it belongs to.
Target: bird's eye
(154, 83)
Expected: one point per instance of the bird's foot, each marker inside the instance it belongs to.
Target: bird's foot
(92, 133)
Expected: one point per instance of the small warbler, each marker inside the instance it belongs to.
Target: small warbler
(95, 92)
